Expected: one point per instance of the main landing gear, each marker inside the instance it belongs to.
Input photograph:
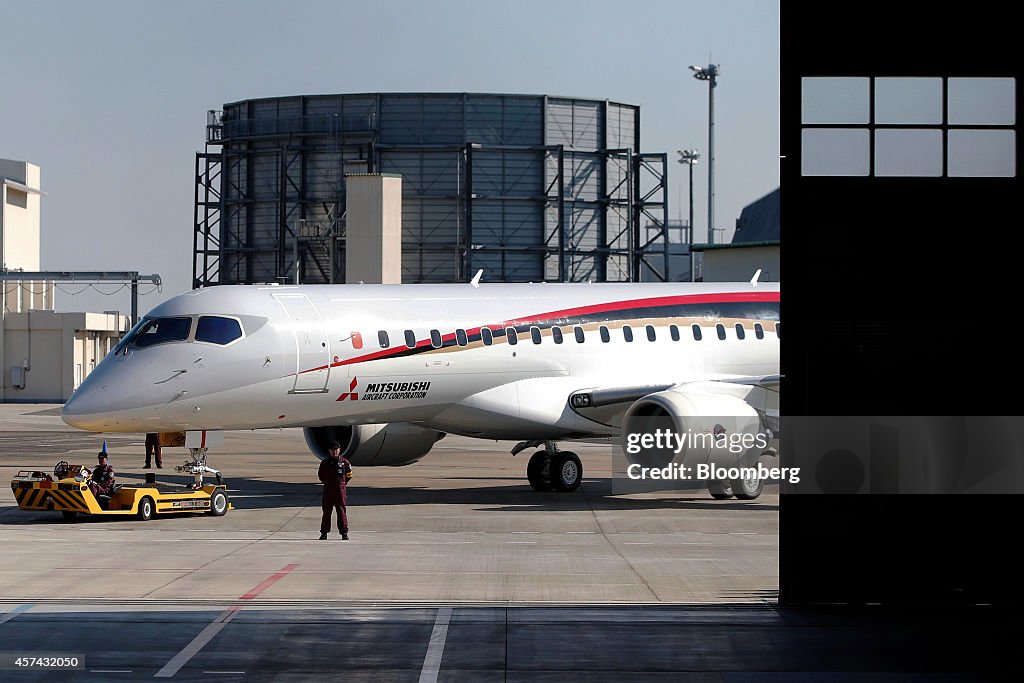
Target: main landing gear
(552, 469)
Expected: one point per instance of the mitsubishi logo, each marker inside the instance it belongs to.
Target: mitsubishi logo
(351, 393)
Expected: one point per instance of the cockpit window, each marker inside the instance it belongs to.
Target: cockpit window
(129, 336)
(217, 330)
(160, 330)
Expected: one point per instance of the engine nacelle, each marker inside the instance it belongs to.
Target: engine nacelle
(397, 443)
(709, 423)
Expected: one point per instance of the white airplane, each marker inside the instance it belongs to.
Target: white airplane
(388, 370)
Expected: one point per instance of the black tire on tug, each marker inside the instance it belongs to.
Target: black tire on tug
(566, 471)
(69, 515)
(146, 509)
(747, 489)
(719, 489)
(539, 472)
(219, 503)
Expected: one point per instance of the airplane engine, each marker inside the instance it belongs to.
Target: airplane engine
(397, 443)
(708, 426)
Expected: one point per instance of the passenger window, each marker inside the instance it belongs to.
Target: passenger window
(410, 339)
(357, 340)
(535, 334)
(605, 334)
(160, 330)
(556, 334)
(578, 332)
(510, 334)
(721, 330)
(487, 336)
(758, 331)
(435, 339)
(650, 333)
(460, 336)
(740, 332)
(627, 333)
(697, 335)
(382, 337)
(217, 330)
(673, 331)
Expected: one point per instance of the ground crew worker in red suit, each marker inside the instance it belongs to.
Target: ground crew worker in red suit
(153, 447)
(102, 480)
(334, 472)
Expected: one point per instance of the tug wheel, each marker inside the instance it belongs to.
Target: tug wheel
(218, 503)
(146, 509)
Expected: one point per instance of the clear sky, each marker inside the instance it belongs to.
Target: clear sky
(110, 97)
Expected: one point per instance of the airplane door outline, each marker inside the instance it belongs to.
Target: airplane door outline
(312, 345)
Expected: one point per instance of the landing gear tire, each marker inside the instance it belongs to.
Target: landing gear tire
(720, 490)
(747, 489)
(566, 471)
(69, 515)
(218, 504)
(538, 471)
(146, 508)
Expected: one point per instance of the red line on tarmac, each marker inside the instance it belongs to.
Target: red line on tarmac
(268, 582)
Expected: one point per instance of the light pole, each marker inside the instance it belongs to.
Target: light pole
(689, 157)
(709, 73)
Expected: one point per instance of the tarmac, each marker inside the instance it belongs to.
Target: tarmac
(460, 526)
(456, 570)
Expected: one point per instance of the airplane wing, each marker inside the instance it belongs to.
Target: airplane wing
(608, 405)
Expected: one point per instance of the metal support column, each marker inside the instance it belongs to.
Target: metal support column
(467, 203)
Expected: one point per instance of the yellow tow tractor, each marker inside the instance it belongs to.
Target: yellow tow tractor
(67, 490)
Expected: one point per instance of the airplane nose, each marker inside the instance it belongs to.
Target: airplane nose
(88, 409)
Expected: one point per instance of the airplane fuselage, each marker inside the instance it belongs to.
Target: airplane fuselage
(495, 361)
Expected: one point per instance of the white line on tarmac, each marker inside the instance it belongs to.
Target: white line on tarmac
(205, 636)
(432, 660)
(14, 613)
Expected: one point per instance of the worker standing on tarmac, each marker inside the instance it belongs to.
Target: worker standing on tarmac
(334, 472)
(153, 448)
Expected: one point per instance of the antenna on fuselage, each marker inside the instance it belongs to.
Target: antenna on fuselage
(476, 278)
(753, 280)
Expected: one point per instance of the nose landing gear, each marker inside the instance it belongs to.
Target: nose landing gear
(197, 467)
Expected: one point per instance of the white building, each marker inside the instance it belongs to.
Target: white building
(756, 245)
(45, 354)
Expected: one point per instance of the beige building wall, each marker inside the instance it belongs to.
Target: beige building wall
(739, 263)
(51, 353)
(373, 229)
(19, 217)
(22, 295)
(45, 355)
